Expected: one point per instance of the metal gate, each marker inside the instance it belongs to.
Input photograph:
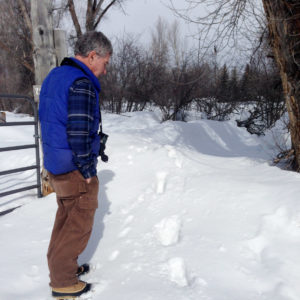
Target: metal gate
(35, 145)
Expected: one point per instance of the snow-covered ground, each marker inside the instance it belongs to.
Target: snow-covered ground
(187, 211)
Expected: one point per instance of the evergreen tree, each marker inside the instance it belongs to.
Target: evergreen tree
(223, 94)
(245, 84)
(233, 86)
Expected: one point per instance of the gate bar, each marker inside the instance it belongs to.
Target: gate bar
(36, 145)
(17, 147)
(19, 190)
(17, 123)
(17, 170)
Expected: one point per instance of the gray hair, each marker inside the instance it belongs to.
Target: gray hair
(93, 41)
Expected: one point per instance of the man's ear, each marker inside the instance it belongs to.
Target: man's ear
(91, 56)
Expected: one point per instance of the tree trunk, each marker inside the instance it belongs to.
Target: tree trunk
(284, 28)
(2, 117)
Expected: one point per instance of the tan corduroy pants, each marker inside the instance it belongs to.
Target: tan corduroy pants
(77, 202)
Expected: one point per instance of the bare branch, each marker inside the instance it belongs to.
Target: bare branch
(26, 17)
(226, 23)
(19, 59)
(104, 12)
(72, 11)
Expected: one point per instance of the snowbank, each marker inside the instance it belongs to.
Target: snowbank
(186, 211)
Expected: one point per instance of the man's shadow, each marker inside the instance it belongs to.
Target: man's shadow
(104, 176)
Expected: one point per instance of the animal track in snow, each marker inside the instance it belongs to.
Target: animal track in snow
(124, 232)
(270, 242)
(167, 230)
(127, 210)
(141, 198)
(129, 157)
(34, 271)
(177, 271)
(114, 255)
(161, 182)
(128, 220)
(173, 154)
(138, 149)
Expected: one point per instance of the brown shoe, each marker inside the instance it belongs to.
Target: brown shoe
(71, 291)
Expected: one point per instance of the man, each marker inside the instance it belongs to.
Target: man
(70, 116)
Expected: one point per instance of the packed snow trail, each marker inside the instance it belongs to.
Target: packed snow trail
(187, 211)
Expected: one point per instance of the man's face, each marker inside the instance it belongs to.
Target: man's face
(98, 63)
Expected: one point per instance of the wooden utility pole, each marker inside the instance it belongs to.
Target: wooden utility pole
(45, 56)
(60, 45)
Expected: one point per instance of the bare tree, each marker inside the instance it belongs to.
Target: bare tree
(94, 13)
(16, 37)
(226, 18)
(284, 29)
(128, 86)
(225, 23)
(16, 32)
(159, 43)
(16, 63)
(179, 73)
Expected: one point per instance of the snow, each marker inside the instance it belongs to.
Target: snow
(168, 230)
(187, 211)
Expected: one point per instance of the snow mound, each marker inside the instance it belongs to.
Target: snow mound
(186, 211)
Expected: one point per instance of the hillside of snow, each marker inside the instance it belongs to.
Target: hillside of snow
(187, 211)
